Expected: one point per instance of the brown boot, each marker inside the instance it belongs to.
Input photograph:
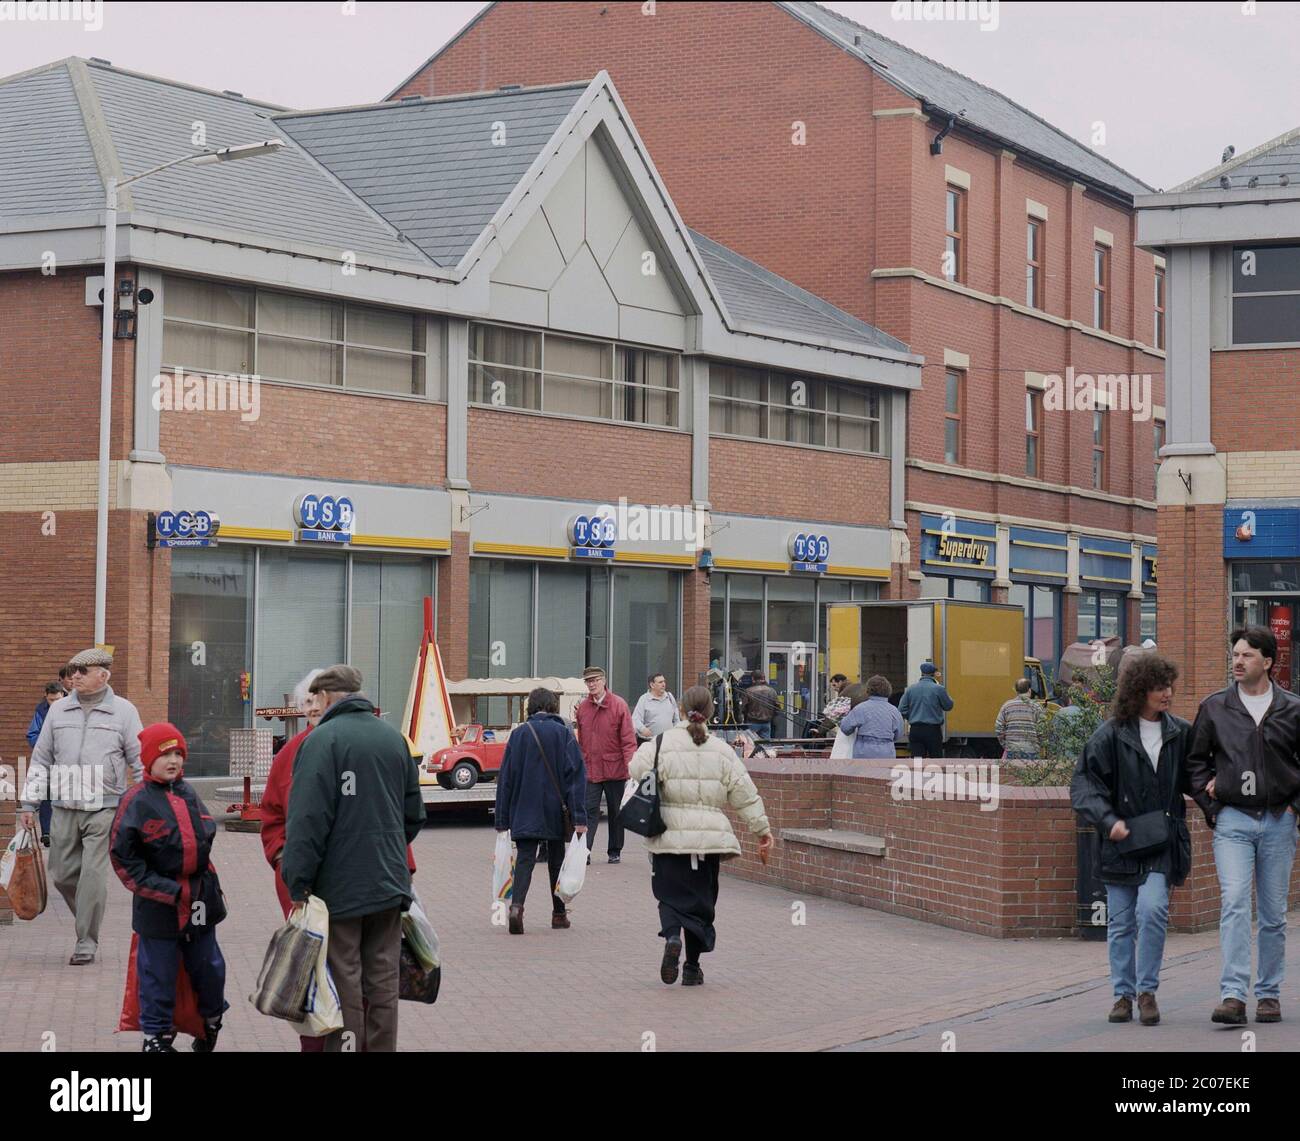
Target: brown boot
(1148, 1011)
(1122, 1011)
(1268, 1010)
(560, 920)
(1231, 1011)
(516, 921)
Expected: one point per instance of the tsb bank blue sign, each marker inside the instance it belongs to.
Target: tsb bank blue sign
(1261, 532)
(324, 518)
(184, 529)
(809, 553)
(592, 536)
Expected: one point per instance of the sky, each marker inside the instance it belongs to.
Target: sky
(1172, 84)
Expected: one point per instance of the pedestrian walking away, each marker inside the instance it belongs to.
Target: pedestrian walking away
(541, 793)
(922, 706)
(699, 776)
(161, 843)
(603, 723)
(1017, 724)
(355, 806)
(1129, 784)
(1245, 775)
(871, 721)
(87, 753)
(656, 709)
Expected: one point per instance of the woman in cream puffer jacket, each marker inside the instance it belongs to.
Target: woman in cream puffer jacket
(699, 775)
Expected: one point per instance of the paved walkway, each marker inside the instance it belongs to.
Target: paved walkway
(849, 977)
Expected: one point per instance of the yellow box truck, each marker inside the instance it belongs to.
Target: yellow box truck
(977, 647)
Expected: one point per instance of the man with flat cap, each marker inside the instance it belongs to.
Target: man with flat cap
(89, 743)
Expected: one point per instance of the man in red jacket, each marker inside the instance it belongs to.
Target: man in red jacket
(604, 726)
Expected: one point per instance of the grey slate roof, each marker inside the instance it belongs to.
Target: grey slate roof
(759, 298)
(430, 166)
(1266, 162)
(986, 109)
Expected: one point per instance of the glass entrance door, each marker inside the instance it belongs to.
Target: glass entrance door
(1279, 616)
(790, 669)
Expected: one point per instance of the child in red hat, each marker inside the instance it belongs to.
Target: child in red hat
(161, 840)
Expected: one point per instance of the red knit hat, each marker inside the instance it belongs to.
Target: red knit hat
(155, 740)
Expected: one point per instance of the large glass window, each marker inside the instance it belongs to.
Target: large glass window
(571, 376)
(302, 618)
(1042, 621)
(1149, 618)
(745, 648)
(211, 649)
(1101, 615)
(572, 619)
(791, 615)
(950, 586)
(388, 593)
(646, 627)
(794, 409)
(212, 327)
(1265, 295)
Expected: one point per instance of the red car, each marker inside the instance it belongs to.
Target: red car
(475, 757)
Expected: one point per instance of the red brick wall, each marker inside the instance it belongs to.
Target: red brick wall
(1008, 873)
(1251, 393)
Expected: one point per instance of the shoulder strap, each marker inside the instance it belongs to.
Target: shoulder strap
(545, 760)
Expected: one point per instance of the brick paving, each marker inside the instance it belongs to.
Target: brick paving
(849, 977)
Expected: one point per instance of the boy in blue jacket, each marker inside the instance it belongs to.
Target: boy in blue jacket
(161, 840)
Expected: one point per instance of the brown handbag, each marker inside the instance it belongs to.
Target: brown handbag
(28, 890)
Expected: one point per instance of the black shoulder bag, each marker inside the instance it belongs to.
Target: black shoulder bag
(1150, 833)
(641, 813)
(566, 817)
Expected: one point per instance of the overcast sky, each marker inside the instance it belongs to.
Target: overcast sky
(1172, 83)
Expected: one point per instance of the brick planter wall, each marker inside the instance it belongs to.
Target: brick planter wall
(1009, 873)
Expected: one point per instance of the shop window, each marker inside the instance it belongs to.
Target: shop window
(1101, 287)
(1265, 295)
(1034, 263)
(211, 649)
(1149, 618)
(1266, 576)
(791, 614)
(947, 586)
(1101, 615)
(646, 630)
(572, 620)
(745, 646)
(215, 328)
(794, 409)
(302, 612)
(388, 593)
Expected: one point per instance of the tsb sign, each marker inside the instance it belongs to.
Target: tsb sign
(324, 518)
(184, 529)
(592, 536)
(809, 552)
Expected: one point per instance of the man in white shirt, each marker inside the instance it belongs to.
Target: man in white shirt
(656, 710)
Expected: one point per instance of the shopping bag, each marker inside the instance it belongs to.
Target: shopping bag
(503, 868)
(418, 932)
(185, 1014)
(323, 1014)
(27, 888)
(574, 869)
(289, 969)
(842, 750)
(415, 982)
(10, 858)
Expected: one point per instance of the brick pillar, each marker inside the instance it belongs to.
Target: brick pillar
(999, 594)
(696, 593)
(453, 607)
(1133, 620)
(1192, 620)
(1069, 617)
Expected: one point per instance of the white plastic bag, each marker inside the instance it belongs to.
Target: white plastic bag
(324, 1014)
(10, 858)
(573, 872)
(842, 750)
(420, 935)
(503, 868)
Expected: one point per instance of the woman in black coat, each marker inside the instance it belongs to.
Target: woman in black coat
(1129, 784)
(541, 773)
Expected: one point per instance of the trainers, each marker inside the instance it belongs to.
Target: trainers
(1268, 1010)
(208, 1043)
(588, 859)
(692, 975)
(560, 920)
(616, 858)
(668, 968)
(1122, 1011)
(81, 958)
(516, 921)
(1231, 1011)
(1148, 1011)
(159, 1044)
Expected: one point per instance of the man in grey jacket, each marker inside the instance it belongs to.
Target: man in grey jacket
(89, 743)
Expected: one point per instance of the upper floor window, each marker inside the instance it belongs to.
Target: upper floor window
(1100, 432)
(1033, 433)
(1100, 287)
(764, 404)
(213, 327)
(1159, 303)
(954, 257)
(954, 383)
(1265, 295)
(1034, 264)
(570, 376)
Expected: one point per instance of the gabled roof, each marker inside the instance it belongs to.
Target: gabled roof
(1267, 163)
(986, 110)
(758, 298)
(437, 169)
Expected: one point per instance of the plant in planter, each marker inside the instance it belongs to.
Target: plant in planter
(1063, 734)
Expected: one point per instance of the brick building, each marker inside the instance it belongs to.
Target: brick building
(1229, 515)
(407, 355)
(941, 212)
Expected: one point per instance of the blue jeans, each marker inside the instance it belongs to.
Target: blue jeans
(1247, 849)
(45, 811)
(1137, 917)
(761, 729)
(156, 964)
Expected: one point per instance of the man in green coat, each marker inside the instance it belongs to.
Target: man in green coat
(354, 805)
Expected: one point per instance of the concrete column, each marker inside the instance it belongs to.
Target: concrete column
(897, 429)
(456, 370)
(1187, 361)
(145, 447)
(695, 377)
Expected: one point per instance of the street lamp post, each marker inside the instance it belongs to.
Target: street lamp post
(226, 154)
